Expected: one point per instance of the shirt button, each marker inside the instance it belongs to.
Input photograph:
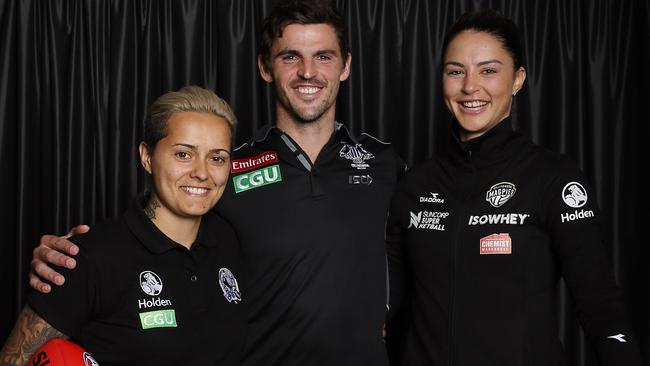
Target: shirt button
(194, 278)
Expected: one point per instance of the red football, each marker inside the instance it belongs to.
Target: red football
(61, 352)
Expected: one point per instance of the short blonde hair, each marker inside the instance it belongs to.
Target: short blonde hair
(187, 99)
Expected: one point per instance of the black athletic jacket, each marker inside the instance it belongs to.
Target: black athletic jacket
(477, 241)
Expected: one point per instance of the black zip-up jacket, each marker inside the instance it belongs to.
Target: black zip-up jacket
(477, 241)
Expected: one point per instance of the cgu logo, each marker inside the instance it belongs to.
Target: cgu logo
(257, 178)
(158, 319)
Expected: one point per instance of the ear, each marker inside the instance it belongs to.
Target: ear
(346, 67)
(145, 157)
(266, 74)
(520, 77)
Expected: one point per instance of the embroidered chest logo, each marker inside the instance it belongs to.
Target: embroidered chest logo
(574, 195)
(428, 220)
(357, 154)
(257, 178)
(496, 244)
(500, 193)
(433, 199)
(229, 286)
(150, 283)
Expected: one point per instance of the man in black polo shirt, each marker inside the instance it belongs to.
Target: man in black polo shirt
(308, 202)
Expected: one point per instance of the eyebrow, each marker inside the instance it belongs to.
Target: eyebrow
(193, 147)
(291, 51)
(482, 63)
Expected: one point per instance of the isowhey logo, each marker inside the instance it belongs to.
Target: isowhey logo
(498, 219)
(244, 165)
(229, 286)
(257, 178)
(150, 283)
(500, 193)
(496, 244)
(357, 154)
(428, 220)
(433, 199)
(574, 195)
(158, 319)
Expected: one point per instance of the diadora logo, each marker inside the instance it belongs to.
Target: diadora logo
(496, 244)
(574, 195)
(150, 283)
(229, 286)
(428, 220)
(89, 360)
(243, 165)
(433, 199)
(158, 319)
(357, 154)
(257, 178)
(360, 179)
(500, 193)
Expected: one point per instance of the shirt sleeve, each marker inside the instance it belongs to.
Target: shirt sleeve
(397, 266)
(68, 307)
(575, 225)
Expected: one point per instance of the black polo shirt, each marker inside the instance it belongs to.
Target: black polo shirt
(312, 236)
(137, 297)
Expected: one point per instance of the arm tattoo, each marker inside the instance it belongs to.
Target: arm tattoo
(152, 205)
(29, 333)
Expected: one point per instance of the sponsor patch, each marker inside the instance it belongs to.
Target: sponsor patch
(365, 179)
(428, 220)
(158, 319)
(574, 195)
(498, 219)
(432, 199)
(150, 283)
(257, 178)
(229, 286)
(576, 215)
(496, 244)
(357, 154)
(246, 164)
(500, 193)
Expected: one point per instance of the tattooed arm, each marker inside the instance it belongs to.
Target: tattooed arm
(29, 333)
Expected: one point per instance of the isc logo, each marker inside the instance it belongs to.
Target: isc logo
(257, 178)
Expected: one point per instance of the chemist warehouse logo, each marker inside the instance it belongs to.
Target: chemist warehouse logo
(152, 285)
(267, 174)
(428, 220)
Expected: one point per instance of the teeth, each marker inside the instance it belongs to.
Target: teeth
(195, 190)
(474, 104)
(308, 90)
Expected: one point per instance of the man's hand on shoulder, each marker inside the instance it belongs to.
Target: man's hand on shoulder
(54, 250)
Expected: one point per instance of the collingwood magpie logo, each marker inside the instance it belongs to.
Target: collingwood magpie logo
(229, 286)
(500, 193)
(357, 154)
(574, 195)
(150, 283)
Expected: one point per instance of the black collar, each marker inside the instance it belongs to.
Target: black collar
(262, 134)
(153, 239)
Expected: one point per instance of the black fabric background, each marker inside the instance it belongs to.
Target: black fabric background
(76, 77)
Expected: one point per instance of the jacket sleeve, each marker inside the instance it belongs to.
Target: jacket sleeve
(575, 225)
(397, 266)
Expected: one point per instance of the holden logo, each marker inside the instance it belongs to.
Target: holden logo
(150, 283)
(500, 193)
(574, 195)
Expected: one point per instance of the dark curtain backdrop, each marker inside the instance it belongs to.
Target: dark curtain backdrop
(76, 77)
